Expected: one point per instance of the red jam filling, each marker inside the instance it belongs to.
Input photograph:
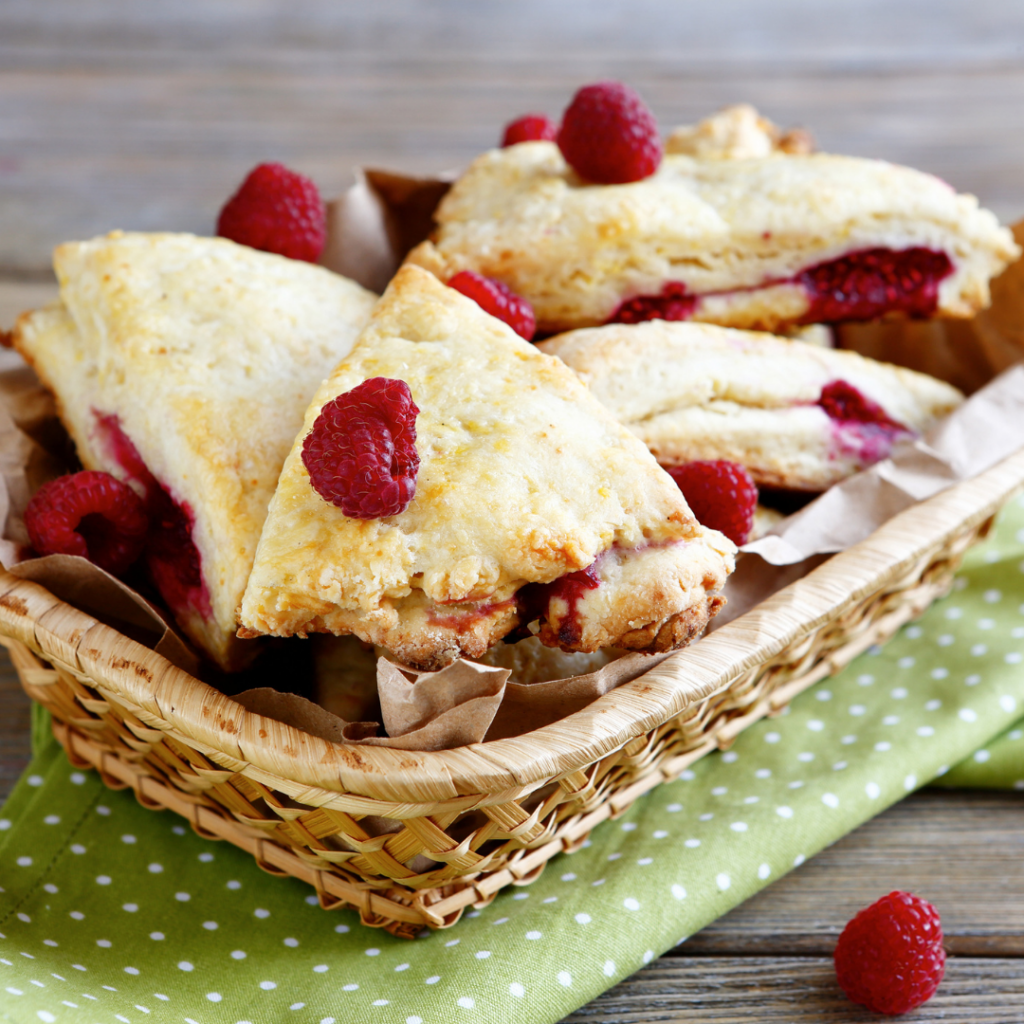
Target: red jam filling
(858, 286)
(173, 560)
(865, 427)
(864, 285)
(534, 600)
(671, 304)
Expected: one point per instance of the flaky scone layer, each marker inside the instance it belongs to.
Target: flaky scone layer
(734, 232)
(207, 353)
(524, 477)
(697, 391)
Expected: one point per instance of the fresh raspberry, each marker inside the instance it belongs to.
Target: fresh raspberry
(722, 495)
(497, 299)
(890, 956)
(276, 210)
(672, 304)
(361, 453)
(91, 514)
(529, 128)
(609, 136)
(864, 285)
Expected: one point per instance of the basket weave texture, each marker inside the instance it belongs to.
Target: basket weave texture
(410, 839)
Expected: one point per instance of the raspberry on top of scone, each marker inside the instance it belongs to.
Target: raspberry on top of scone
(735, 225)
(535, 512)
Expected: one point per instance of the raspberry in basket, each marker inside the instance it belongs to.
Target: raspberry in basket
(890, 956)
(609, 136)
(361, 453)
(91, 514)
(276, 210)
(529, 128)
(497, 299)
(721, 494)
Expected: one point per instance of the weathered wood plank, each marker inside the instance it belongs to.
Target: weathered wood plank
(963, 850)
(779, 990)
(114, 115)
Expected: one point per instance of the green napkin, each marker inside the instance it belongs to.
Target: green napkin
(110, 911)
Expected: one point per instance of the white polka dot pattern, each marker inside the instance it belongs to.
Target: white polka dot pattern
(129, 911)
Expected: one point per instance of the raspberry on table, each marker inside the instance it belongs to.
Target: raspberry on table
(497, 299)
(889, 958)
(278, 211)
(529, 128)
(609, 136)
(91, 514)
(361, 453)
(721, 494)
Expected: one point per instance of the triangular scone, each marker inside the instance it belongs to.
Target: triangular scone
(185, 365)
(761, 242)
(797, 416)
(524, 478)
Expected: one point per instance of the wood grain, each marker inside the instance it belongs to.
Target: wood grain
(784, 990)
(120, 114)
(147, 116)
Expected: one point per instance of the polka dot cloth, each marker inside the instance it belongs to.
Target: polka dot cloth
(112, 912)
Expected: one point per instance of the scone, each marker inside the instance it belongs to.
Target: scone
(764, 242)
(797, 416)
(184, 365)
(534, 511)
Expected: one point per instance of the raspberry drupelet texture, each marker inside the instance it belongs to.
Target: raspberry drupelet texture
(889, 958)
(361, 453)
(867, 284)
(529, 128)
(672, 304)
(497, 299)
(278, 211)
(721, 494)
(609, 136)
(91, 514)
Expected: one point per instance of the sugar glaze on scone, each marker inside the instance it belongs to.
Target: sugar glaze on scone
(742, 242)
(184, 365)
(697, 391)
(525, 481)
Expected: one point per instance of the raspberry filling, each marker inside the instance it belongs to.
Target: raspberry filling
(858, 286)
(534, 602)
(171, 555)
(864, 428)
(672, 304)
(864, 285)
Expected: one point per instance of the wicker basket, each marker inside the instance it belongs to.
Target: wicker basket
(470, 821)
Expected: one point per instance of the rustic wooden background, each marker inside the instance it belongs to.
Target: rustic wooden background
(146, 115)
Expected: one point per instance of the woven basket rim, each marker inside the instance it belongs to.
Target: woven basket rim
(237, 739)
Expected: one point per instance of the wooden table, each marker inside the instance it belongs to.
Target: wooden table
(146, 116)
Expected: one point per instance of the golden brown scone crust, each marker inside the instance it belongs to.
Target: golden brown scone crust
(726, 228)
(208, 352)
(523, 478)
(696, 391)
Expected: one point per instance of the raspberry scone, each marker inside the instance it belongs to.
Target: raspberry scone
(183, 366)
(452, 485)
(797, 416)
(766, 242)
